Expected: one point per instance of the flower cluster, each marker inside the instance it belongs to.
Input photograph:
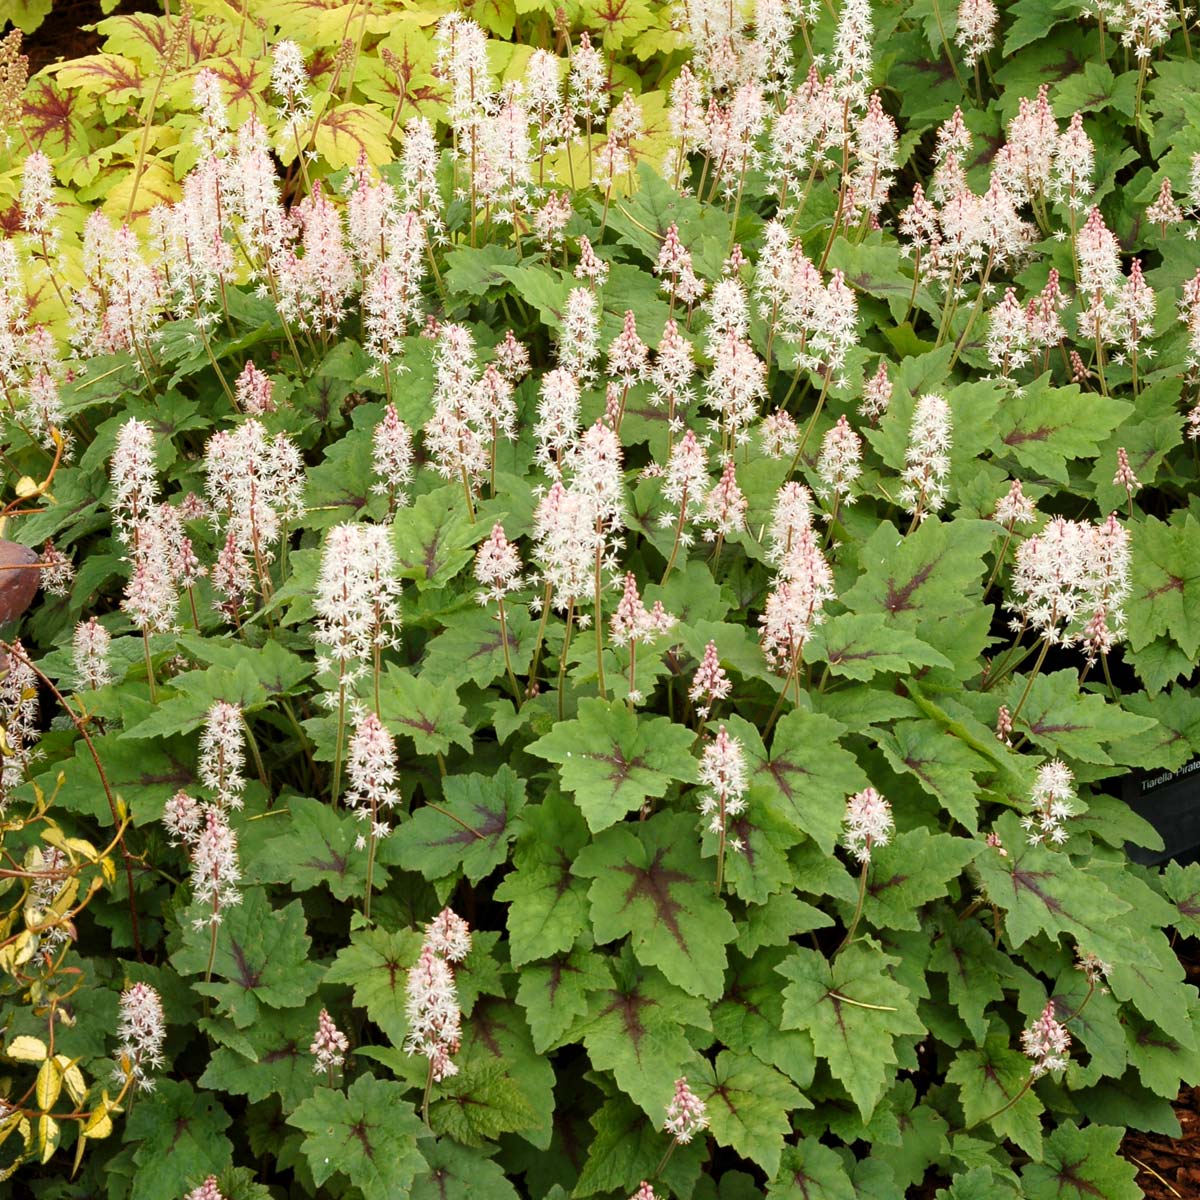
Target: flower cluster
(329, 1045)
(1053, 801)
(1047, 1043)
(434, 1018)
(141, 1031)
(687, 1114)
(868, 823)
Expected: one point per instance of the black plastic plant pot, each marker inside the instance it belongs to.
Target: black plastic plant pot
(1170, 801)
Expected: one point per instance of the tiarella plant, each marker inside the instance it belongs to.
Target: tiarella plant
(603, 569)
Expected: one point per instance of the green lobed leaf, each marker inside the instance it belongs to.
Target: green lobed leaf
(547, 904)
(428, 713)
(749, 1106)
(853, 1010)
(376, 964)
(1079, 1163)
(652, 885)
(262, 954)
(470, 828)
(811, 1171)
(612, 760)
(369, 1134)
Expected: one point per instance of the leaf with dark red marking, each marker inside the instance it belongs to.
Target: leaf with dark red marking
(1044, 428)
(913, 869)
(860, 645)
(547, 905)
(555, 994)
(974, 968)
(434, 538)
(932, 573)
(1061, 720)
(1081, 1164)
(942, 764)
(811, 1171)
(376, 965)
(318, 849)
(750, 1014)
(1042, 891)
(470, 828)
(144, 774)
(613, 759)
(478, 1104)
(853, 1009)
(635, 1029)
(428, 713)
(627, 1149)
(471, 647)
(262, 956)
(111, 76)
(989, 1078)
(1182, 886)
(180, 1138)
(282, 1064)
(749, 1106)
(1165, 583)
(369, 1134)
(456, 1170)
(496, 1034)
(652, 885)
(807, 775)
(348, 130)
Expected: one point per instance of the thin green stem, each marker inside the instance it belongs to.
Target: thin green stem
(1037, 666)
(852, 929)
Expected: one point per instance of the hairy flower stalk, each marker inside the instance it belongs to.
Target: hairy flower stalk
(803, 586)
(723, 773)
(90, 650)
(434, 1018)
(392, 458)
(329, 1046)
(151, 596)
(222, 756)
(631, 623)
(710, 683)
(685, 486)
(1012, 509)
(868, 823)
(1069, 569)
(927, 459)
(141, 1031)
(839, 465)
(1047, 1043)
(498, 569)
(686, 1116)
(1053, 802)
(20, 718)
(371, 789)
(345, 621)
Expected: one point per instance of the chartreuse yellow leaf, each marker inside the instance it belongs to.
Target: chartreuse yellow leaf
(72, 1077)
(47, 1135)
(49, 1084)
(99, 1124)
(71, 845)
(350, 129)
(26, 1049)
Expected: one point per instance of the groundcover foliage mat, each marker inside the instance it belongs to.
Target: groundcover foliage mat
(601, 569)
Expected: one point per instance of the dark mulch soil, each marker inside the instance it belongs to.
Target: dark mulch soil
(61, 34)
(1169, 1168)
